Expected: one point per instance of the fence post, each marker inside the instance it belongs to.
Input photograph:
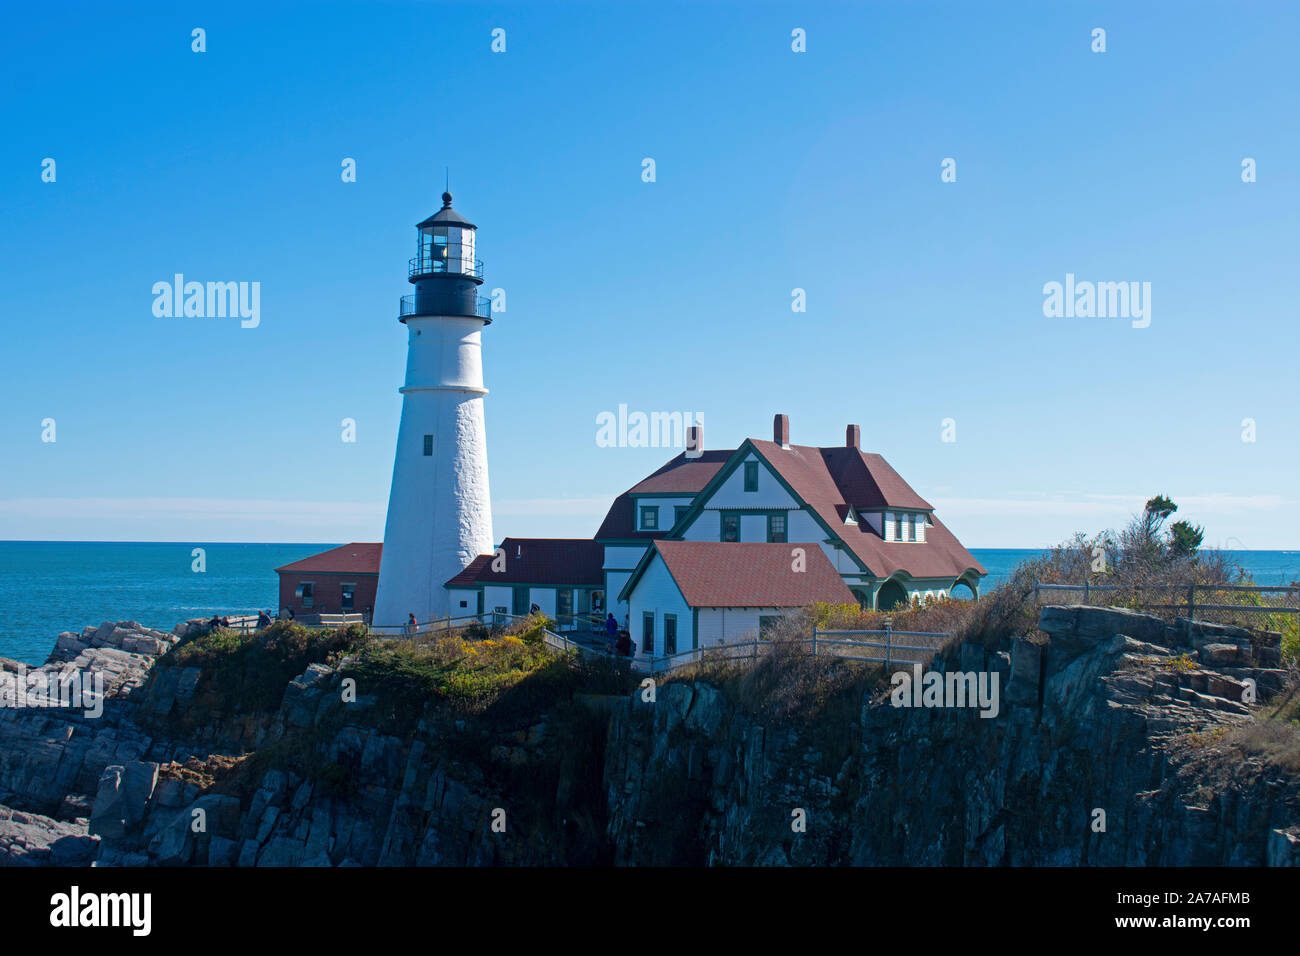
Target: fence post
(1191, 609)
(1037, 599)
(814, 641)
(889, 640)
(1085, 592)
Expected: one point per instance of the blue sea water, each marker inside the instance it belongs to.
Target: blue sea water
(1264, 567)
(52, 586)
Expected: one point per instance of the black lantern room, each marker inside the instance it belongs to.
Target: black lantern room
(444, 270)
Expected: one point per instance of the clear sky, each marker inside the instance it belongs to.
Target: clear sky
(774, 170)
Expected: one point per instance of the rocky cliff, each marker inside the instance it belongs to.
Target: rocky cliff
(1119, 739)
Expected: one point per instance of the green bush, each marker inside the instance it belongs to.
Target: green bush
(248, 672)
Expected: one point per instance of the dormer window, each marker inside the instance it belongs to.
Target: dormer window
(751, 476)
(649, 518)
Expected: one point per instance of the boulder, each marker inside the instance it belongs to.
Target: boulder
(108, 815)
(1284, 847)
(1026, 671)
(1220, 655)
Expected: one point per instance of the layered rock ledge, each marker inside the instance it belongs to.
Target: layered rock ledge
(1120, 739)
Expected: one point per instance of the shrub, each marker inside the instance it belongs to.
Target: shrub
(249, 671)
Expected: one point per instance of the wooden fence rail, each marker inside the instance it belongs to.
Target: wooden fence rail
(1189, 607)
(819, 643)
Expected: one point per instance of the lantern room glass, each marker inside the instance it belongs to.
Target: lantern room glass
(447, 249)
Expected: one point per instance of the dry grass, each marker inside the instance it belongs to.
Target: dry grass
(785, 684)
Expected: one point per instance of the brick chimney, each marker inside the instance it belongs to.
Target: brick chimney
(781, 430)
(694, 441)
(853, 437)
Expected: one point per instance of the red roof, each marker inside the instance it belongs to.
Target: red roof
(749, 574)
(560, 562)
(686, 476)
(831, 479)
(841, 475)
(355, 558)
(468, 577)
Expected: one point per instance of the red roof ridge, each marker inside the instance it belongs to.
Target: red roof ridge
(356, 557)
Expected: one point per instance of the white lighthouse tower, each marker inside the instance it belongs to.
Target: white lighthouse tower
(439, 517)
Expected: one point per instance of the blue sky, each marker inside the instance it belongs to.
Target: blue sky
(775, 170)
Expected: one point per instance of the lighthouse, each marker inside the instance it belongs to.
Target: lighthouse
(439, 516)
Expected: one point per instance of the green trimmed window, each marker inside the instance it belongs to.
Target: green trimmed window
(730, 526)
(670, 634)
(776, 527)
(679, 512)
(751, 476)
(649, 517)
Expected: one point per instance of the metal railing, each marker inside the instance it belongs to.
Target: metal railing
(453, 265)
(246, 622)
(820, 644)
(438, 304)
(930, 642)
(1182, 598)
(490, 619)
(863, 646)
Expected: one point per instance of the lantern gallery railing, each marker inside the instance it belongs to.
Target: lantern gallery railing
(433, 303)
(432, 263)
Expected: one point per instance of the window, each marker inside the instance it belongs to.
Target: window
(520, 602)
(766, 622)
(776, 527)
(307, 591)
(648, 632)
(730, 526)
(464, 603)
(649, 517)
(903, 522)
(349, 596)
(670, 634)
(428, 444)
(751, 476)
(564, 603)
(679, 512)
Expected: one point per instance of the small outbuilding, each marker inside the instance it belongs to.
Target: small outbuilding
(342, 580)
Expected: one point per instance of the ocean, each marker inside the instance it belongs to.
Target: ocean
(52, 586)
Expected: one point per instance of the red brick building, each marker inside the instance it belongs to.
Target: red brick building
(342, 580)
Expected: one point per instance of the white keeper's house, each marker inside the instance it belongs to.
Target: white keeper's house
(718, 544)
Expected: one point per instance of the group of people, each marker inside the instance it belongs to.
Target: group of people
(264, 619)
(618, 639)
